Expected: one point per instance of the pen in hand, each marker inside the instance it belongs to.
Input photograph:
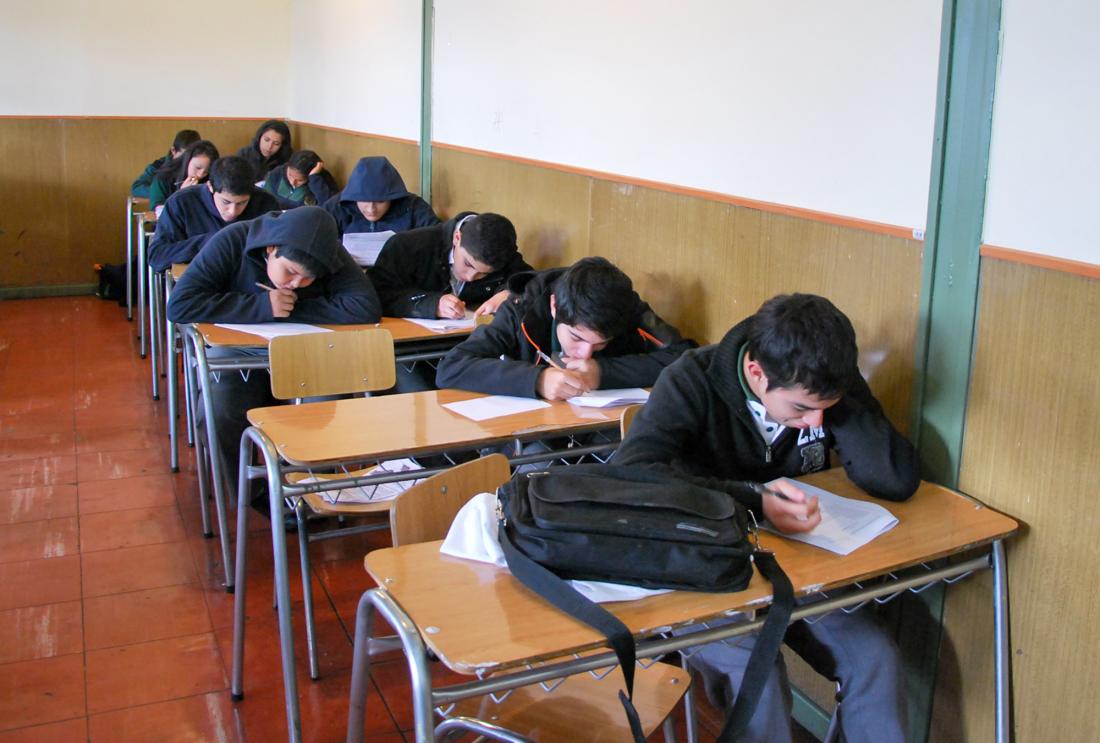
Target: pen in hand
(549, 360)
(265, 287)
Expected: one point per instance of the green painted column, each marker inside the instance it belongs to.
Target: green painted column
(969, 47)
(427, 39)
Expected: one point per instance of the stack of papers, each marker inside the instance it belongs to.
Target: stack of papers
(846, 524)
(494, 406)
(373, 493)
(444, 326)
(271, 330)
(610, 398)
(365, 246)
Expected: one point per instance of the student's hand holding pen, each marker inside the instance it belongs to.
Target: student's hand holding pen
(560, 384)
(587, 369)
(450, 308)
(189, 181)
(282, 300)
(788, 508)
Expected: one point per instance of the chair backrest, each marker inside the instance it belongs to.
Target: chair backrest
(336, 363)
(425, 511)
(627, 418)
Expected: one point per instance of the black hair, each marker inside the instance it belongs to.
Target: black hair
(303, 161)
(232, 175)
(490, 239)
(803, 340)
(595, 294)
(312, 266)
(285, 149)
(184, 139)
(176, 170)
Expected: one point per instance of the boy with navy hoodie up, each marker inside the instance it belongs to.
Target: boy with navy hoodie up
(376, 200)
(312, 278)
(193, 215)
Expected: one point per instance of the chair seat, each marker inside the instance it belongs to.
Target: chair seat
(320, 506)
(583, 707)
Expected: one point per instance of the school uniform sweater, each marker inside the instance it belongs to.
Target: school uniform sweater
(261, 165)
(220, 285)
(697, 423)
(502, 358)
(190, 219)
(413, 271)
(140, 187)
(318, 188)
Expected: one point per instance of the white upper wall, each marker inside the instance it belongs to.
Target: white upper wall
(1045, 152)
(357, 65)
(826, 106)
(114, 58)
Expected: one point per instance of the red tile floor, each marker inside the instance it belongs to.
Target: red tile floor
(114, 622)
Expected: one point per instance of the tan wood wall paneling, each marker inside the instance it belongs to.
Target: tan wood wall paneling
(702, 264)
(548, 207)
(1032, 449)
(64, 204)
(341, 150)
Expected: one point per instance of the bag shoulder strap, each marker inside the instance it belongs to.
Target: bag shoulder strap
(563, 596)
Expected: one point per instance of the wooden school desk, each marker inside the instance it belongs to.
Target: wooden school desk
(412, 343)
(369, 429)
(479, 620)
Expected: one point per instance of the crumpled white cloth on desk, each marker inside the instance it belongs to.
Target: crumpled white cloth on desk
(473, 536)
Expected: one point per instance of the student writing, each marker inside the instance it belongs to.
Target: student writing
(565, 332)
(302, 181)
(189, 169)
(376, 200)
(772, 399)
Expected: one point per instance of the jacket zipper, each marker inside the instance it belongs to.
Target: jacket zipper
(767, 453)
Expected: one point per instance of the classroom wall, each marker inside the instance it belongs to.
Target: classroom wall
(1033, 415)
(823, 106)
(1044, 155)
(356, 66)
(64, 205)
(114, 58)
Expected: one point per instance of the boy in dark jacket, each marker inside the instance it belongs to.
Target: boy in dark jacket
(312, 278)
(439, 271)
(771, 400)
(565, 332)
(193, 215)
(302, 181)
(184, 138)
(376, 200)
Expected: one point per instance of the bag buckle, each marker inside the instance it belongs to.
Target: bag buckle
(754, 533)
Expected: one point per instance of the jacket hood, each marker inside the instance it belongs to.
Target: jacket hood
(309, 229)
(374, 179)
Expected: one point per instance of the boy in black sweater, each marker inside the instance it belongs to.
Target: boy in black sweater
(562, 333)
(772, 399)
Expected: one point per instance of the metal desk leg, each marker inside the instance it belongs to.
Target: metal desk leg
(213, 452)
(415, 654)
(154, 328)
(172, 371)
(1002, 657)
(129, 257)
(201, 455)
(282, 579)
(142, 268)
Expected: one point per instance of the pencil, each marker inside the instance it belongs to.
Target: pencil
(548, 360)
(266, 287)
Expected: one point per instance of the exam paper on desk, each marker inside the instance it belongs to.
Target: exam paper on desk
(445, 325)
(271, 330)
(846, 524)
(494, 406)
(365, 246)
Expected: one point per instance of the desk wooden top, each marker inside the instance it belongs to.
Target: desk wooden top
(391, 425)
(487, 619)
(178, 269)
(401, 329)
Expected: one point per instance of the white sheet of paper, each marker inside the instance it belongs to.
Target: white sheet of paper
(365, 246)
(610, 398)
(374, 493)
(494, 406)
(846, 524)
(271, 330)
(443, 326)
